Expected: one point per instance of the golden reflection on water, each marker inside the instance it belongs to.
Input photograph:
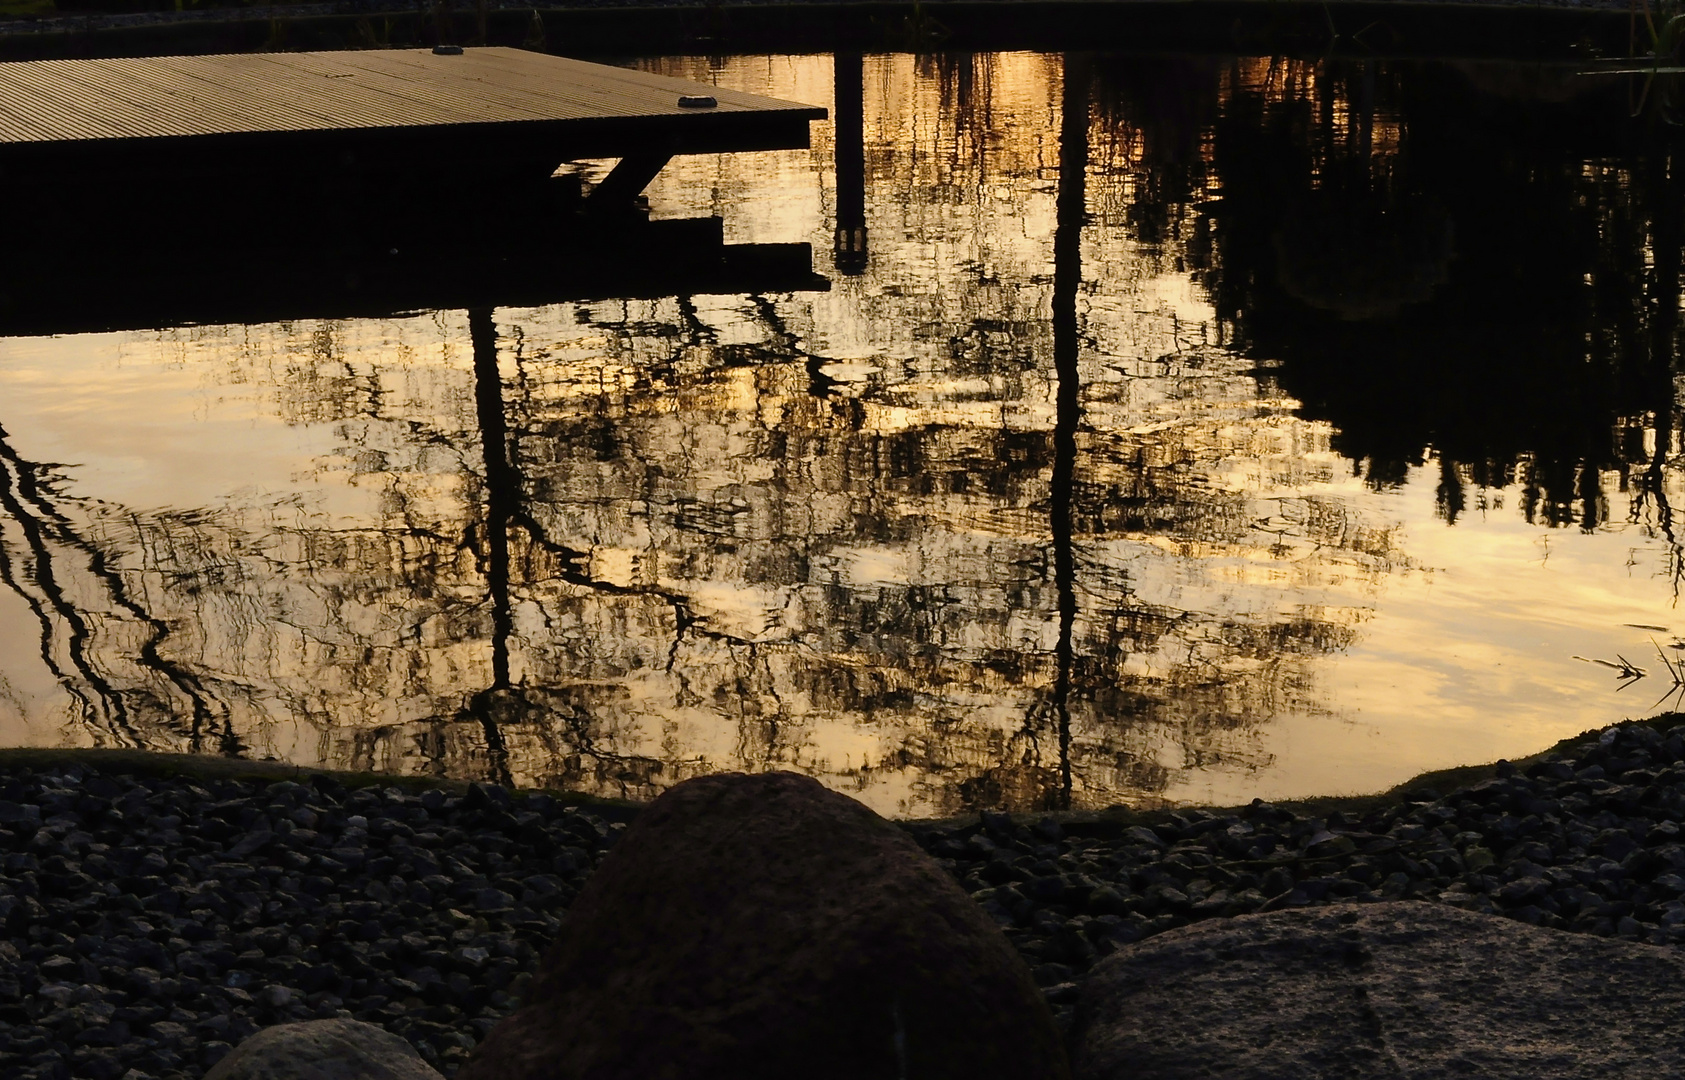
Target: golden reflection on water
(1330, 518)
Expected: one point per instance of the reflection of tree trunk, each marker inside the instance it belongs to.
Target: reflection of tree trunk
(1067, 278)
(850, 91)
(1666, 241)
(1364, 116)
(502, 502)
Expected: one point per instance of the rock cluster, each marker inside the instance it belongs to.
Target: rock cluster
(1588, 841)
(150, 924)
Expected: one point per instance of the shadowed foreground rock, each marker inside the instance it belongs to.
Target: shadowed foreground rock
(762, 926)
(323, 1050)
(1398, 990)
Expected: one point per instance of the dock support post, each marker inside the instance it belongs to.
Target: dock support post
(626, 181)
(848, 78)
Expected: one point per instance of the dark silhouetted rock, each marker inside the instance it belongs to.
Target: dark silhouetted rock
(323, 1050)
(762, 926)
(1396, 990)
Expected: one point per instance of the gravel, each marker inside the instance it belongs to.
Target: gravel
(151, 924)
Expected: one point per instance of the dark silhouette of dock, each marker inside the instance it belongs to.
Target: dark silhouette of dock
(414, 116)
(165, 190)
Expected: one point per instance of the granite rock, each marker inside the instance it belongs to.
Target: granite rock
(762, 926)
(323, 1050)
(1391, 991)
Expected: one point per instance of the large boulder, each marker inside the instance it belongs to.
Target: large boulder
(1401, 990)
(762, 926)
(323, 1050)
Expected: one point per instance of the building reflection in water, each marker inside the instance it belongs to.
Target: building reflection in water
(1095, 481)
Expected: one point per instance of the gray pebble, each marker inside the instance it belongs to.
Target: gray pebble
(153, 924)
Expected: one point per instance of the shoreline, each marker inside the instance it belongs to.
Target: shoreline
(206, 767)
(158, 911)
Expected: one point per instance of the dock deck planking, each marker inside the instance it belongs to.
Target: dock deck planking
(386, 119)
(47, 101)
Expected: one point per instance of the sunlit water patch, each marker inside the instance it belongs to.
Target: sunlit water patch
(1189, 430)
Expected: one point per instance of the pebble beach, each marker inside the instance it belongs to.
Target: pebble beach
(152, 923)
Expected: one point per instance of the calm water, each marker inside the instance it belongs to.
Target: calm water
(1189, 430)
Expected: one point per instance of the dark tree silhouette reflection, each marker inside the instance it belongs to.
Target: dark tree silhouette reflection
(1495, 286)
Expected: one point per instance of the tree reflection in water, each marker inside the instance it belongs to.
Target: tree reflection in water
(1009, 518)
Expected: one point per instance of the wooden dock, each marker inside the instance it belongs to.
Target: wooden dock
(420, 115)
(220, 279)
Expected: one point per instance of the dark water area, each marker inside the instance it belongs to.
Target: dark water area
(1172, 428)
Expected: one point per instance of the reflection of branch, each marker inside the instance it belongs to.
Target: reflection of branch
(700, 332)
(1629, 672)
(819, 384)
(1675, 671)
(11, 581)
(1652, 488)
(36, 534)
(43, 524)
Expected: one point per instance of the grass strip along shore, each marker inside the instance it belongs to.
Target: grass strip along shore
(158, 909)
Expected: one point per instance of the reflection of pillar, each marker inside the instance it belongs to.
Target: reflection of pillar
(502, 495)
(850, 101)
(1067, 278)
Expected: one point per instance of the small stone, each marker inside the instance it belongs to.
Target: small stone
(1523, 891)
(251, 843)
(12, 813)
(1166, 896)
(493, 900)
(471, 957)
(276, 997)
(1062, 993)
(1325, 844)
(1107, 901)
